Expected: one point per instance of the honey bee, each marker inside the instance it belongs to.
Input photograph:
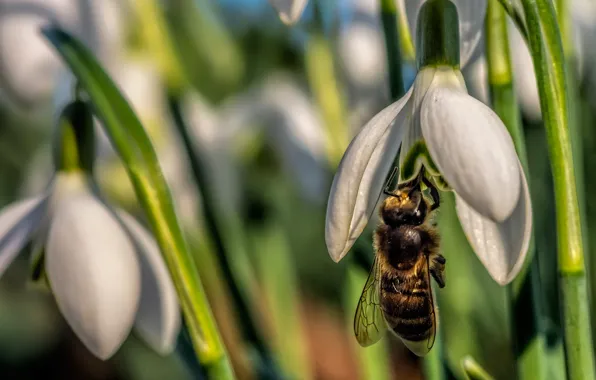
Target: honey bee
(398, 293)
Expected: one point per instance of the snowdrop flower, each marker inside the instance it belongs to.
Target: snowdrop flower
(461, 143)
(28, 74)
(104, 268)
(289, 10)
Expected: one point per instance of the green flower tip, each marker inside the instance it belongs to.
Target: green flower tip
(74, 142)
(437, 36)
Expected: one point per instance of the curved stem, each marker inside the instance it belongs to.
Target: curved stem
(392, 46)
(550, 65)
(215, 220)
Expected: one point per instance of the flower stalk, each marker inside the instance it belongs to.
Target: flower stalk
(524, 294)
(550, 67)
(75, 146)
(437, 39)
(134, 147)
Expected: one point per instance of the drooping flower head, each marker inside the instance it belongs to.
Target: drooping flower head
(104, 269)
(461, 143)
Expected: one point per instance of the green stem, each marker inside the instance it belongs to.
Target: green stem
(157, 39)
(322, 79)
(524, 295)
(278, 275)
(433, 366)
(549, 64)
(405, 37)
(575, 132)
(389, 20)
(473, 370)
(134, 147)
(214, 219)
(516, 15)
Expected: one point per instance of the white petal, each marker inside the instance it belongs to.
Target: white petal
(472, 149)
(17, 222)
(361, 175)
(501, 247)
(158, 318)
(289, 10)
(94, 273)
(471, 23)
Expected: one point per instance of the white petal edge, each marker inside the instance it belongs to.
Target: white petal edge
(472, 149)
(471, 23)
(413, 133)
(361, 175)
(289, 10)
(158, 318)
(94, 273)
(501, 247)
(18, 221)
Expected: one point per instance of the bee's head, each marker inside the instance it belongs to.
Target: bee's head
(404, 208)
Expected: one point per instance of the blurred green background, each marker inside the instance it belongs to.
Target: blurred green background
(271, 110)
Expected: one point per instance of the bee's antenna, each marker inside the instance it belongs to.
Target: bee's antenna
(386, 190)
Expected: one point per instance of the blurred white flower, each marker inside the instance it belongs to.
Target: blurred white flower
(524, 78)
(289, 10)
(104, 269)
(471, 23)
(583, 15)
(472, 151)
(28, 65)
(214, 139)
(362, 53)
(292, 127)
(476, 76)
(279, 108)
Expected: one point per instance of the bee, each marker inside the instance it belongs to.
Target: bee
(398, 293)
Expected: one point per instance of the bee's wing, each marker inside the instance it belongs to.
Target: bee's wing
(369, 323)
(433, 334)
(421, 348)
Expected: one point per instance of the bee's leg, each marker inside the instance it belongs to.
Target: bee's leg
(386, 189)
(414, 183)
(434, 193)
(437, 269)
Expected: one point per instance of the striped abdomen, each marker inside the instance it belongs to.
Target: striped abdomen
(406, 303)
